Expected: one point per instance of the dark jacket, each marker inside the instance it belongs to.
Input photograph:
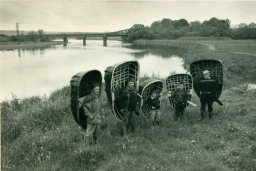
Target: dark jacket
(153, 103)
(93, 109)
(127, 99)
(180, 96)
(207, 85)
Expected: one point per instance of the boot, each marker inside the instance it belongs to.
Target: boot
(210, 115)
(176, 116)
(121, 127)
(202, 116)
(132, 127)
(128, 128)
(158, 123)
(95, 138)
(181, 115)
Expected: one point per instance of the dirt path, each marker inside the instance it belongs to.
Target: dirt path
(211, 47)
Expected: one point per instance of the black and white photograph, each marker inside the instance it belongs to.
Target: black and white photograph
(128, 85)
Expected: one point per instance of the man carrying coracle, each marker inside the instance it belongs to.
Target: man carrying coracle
(93, 110)
(180, 97)
(207, 86)
(127, 102)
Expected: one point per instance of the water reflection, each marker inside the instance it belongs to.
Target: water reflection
(19, 52)
(39, 71)
(162, 51)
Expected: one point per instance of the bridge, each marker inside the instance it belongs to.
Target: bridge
(120, 33)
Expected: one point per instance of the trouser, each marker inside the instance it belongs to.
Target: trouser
(155, 116)
(179, 110)
(209, 104)
(92, 130)
(127, 124)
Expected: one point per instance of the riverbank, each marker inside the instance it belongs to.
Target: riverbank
(26, 45)
(40, 133)
(238, 56)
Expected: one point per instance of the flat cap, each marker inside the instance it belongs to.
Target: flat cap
(206, 71)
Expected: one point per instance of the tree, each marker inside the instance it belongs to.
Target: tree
(183, 31)
(166, 22)
(242, 25)
(195, 26)
(155, 26)
(32, 36)
(180, 23)
(41, 35)
(252, 25)
(22, 37)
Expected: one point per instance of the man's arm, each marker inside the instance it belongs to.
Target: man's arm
(87, 112)
(215, 86)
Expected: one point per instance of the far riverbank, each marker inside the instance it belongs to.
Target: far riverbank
(237, 56)
(12, 45)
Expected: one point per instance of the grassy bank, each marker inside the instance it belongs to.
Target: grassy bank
(39, 133)
(238, 56)
(26, 45)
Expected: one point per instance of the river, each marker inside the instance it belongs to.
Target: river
(40, 71)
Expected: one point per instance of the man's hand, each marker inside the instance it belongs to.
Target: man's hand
(152, 107)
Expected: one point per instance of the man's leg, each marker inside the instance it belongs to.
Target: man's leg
(96, 132)
(203, 105)
(182, 112)
(210, 109)
(158, 117)
(89, 132)
(177, 112)
(152, 116)
(131, 125)
(124, 123)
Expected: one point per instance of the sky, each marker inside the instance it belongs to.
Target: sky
(104, 16)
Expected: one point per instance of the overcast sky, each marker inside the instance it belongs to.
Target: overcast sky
(112, 16)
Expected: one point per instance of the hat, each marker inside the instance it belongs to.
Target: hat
(95, 85)
(206, 71)
(131, 79)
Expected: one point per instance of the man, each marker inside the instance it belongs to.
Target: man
(93, 110)
(180, 97)
(153, 103)
(207, 87)
(127, 101)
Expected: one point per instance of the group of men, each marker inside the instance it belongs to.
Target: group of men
(127, 104)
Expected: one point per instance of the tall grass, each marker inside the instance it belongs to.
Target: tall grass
(42, 135)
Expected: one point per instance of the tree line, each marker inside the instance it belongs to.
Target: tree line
(32, 36)
(173, 29)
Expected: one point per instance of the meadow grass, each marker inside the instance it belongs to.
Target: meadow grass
(40, 133)
(235, 65)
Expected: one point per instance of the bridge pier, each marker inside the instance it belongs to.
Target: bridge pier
(84, 40)
(65, 39)
(105, 40)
